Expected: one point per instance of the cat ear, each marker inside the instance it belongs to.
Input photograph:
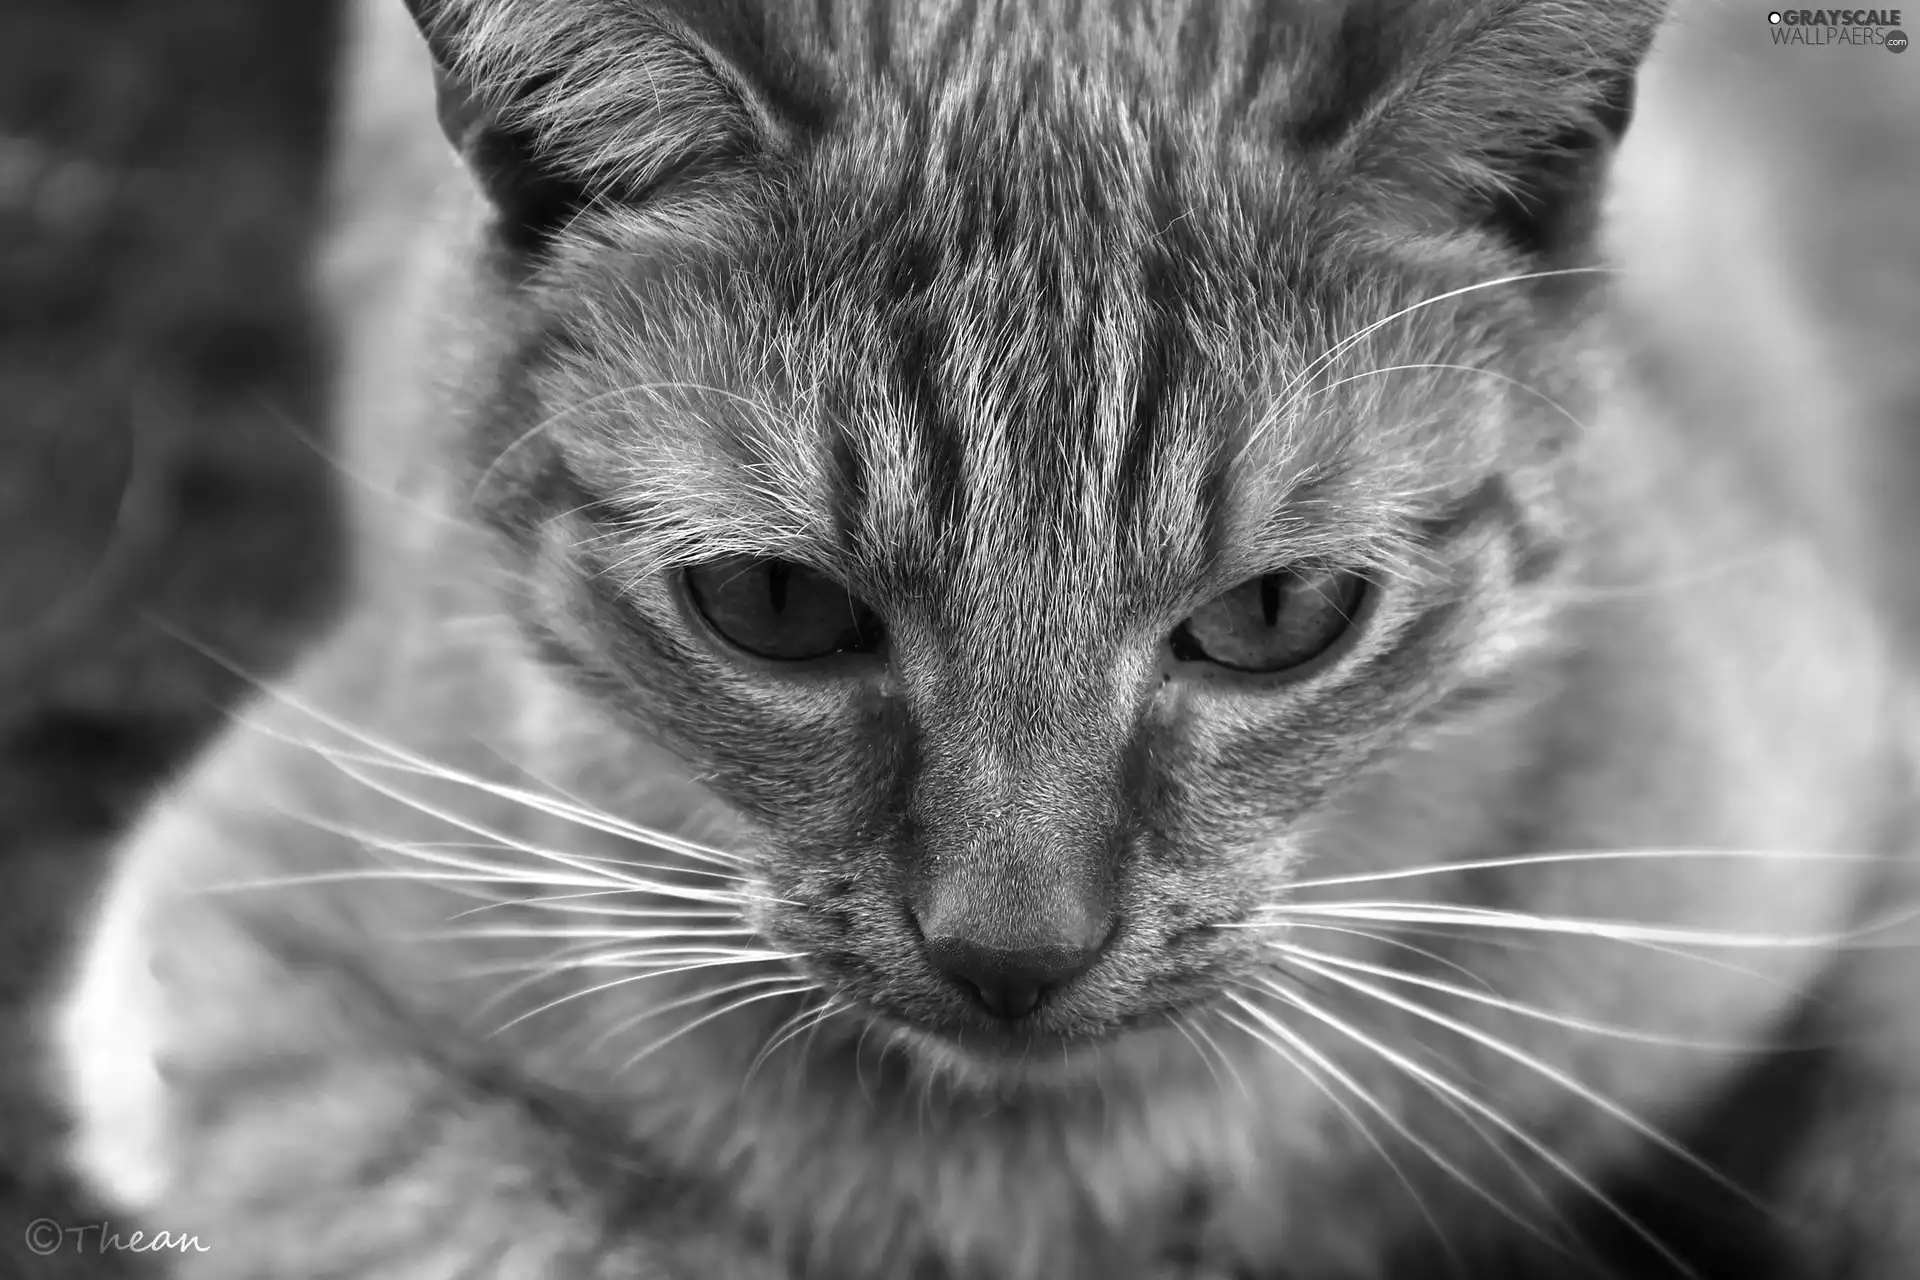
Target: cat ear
(1506, 112)
(557, 104)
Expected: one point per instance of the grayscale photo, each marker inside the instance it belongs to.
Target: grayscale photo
(959, 640)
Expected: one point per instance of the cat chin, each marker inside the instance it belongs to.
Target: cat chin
(1008, 1066)
(946, 1063)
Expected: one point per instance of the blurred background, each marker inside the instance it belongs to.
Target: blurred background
(162, 384)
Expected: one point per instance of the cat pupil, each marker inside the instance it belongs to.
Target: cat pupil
(777, 586)
(1270, 598)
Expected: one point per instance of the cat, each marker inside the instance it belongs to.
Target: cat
(1011, 640)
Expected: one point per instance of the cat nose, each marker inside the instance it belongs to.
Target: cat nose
(1008, 939)
(1008, 982)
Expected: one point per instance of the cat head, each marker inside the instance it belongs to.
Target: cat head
(1042, 466)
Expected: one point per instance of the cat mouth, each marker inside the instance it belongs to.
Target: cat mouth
(999, 1060)
(1015, 1060)
(1039, 1044)
(936, 1020)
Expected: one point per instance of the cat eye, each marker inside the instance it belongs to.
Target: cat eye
(1274, 623)
(781, 610)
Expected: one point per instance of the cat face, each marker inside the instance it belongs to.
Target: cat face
(1027, 482)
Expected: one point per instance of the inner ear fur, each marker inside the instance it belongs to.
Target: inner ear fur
(1504, 113)
(557, 104)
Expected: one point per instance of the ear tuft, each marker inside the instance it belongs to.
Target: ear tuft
(558, 104)
(1504, 111)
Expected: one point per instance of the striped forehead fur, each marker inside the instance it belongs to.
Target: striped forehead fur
(1040, 411)
(1033, 300)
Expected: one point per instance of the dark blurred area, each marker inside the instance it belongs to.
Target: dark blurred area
(160, 175)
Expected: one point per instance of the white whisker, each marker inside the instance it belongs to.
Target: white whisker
(1366, 331)
(1192, 1033)
(1281, 916)
(342, 760)
(579, 815)
(1285, 402)
(1389, 941)
(1533, 1063)
(659, 961)
(579, 904)
(716, 962)
(562, 933)
(795, 987)
(1529, 388)
(351, 875)
(1442, 1085)
(1574, 856)
(1390, 912)
(803, 1022)
(1302, 1048)
(581, 406)
(585, 866)
(1520, 1008)
(393, 755)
